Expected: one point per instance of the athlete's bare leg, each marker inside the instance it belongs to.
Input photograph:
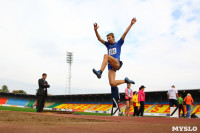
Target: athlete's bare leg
(109, 59)
(111, 74)
(127, 110)
(112, 81)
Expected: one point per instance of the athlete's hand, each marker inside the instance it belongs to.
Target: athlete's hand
(96, 26)
(133, 20)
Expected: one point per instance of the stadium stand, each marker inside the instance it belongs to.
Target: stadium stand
(53, 105)
(30, 104)
(65, 106)
(197, 109)
(160, 108)
(122, 105)
(3, 100)
(17, 102)
(47, 104)
(82, 107)
(146, 106)
(156, 102)
(75, 106)
(102, 107)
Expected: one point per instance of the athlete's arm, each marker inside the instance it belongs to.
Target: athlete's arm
(128, 28)
(97, 34)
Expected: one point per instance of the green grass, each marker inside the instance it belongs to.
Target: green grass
(17, 109)
(34, 110)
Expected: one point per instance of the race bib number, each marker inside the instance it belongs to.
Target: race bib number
(112, 51)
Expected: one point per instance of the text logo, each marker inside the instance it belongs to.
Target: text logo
(184, 128)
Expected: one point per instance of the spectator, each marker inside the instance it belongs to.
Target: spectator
(128, 98)
(42, 92)
(136, 104)
(141, 100)
(189, 101)
(180, 100)
(172, 96)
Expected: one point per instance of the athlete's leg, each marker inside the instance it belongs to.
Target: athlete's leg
(107, 58)
(112, 81)
(115, 109)
(116, 65)
(113, 62)
(127, 108)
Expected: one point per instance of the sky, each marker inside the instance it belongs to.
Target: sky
(160, 50)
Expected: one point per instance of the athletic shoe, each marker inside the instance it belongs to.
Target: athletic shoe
(98, 73)
(129, 81)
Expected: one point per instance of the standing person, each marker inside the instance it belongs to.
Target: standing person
(113, 56)
(189, 101)
(42, 92)
(128, 98)
(136, 104)
(172, 96)
(141, 100)
(180, 100)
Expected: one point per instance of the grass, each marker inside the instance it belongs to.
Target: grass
(17, 109)
(34, 110)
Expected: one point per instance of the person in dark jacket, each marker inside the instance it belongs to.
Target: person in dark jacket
(42, 92)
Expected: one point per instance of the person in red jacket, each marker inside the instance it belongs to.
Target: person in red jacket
(128, 98)
(141, 99)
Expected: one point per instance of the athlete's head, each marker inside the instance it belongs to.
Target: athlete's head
(111, 38)
(44, 75)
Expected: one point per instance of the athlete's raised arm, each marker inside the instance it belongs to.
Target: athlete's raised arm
(97, 34)
(128, 28)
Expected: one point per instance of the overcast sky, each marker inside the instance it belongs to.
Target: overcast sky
(161, 49)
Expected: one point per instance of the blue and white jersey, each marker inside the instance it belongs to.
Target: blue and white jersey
(114, 50)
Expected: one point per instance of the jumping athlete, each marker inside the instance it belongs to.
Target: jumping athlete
(113, 61)
(113, 56)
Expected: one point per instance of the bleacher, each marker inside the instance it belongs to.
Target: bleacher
(160, 108)
(147, 106)
(197, 109)
(17, 102)
(101, 107)
(3, 100)
(53, 105)
(97, 102)
(84, 106)
(30, 104)
(65, 106)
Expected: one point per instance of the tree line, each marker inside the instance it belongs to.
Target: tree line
(4, 88)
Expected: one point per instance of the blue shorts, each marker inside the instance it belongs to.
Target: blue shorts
(110, 67)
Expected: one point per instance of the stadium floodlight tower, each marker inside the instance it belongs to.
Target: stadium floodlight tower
(69, 61)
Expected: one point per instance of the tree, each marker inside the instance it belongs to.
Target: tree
(19, 91)
(4, 88)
